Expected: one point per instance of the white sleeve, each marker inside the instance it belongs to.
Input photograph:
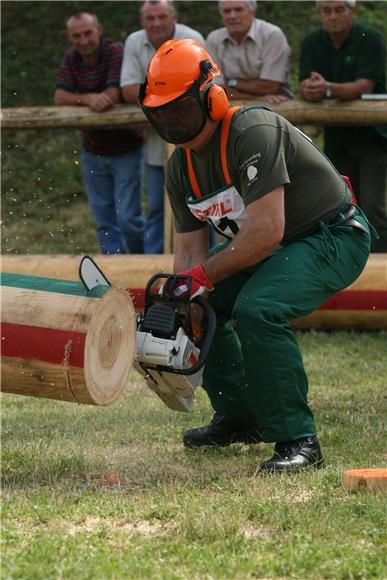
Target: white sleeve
(213, 47)
(197, 36)
(131, 70)
(275, 57)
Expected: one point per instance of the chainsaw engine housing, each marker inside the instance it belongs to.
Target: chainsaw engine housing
(168, 357)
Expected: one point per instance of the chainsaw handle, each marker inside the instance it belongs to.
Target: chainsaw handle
(209, 335)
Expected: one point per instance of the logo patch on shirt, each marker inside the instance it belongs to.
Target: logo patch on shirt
(252, 172)
(250, 160)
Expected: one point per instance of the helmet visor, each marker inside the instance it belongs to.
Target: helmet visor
(178, 121)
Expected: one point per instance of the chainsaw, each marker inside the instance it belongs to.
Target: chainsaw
(171, 347)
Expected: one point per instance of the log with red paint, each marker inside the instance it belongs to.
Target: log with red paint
(363, 305)
(61, 342)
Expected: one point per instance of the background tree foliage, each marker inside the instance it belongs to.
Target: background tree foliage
(41, 170)
(33, 39)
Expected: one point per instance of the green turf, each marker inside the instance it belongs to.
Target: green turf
(110, 492)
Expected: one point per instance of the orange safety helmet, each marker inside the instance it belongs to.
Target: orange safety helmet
(179, 92)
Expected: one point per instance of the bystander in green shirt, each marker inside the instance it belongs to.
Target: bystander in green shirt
(362, 56)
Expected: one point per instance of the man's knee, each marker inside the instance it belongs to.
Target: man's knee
(258, 310)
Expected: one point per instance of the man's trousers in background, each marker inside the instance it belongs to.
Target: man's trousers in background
(113, 187)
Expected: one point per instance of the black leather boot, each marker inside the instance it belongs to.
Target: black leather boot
(294, 456)
(224, 430)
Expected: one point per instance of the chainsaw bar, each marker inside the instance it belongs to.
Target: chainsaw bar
(90, 275)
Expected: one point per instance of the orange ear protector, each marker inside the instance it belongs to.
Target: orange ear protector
(215, 96)
(217, 102)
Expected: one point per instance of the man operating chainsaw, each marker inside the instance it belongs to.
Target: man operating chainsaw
(293, 238)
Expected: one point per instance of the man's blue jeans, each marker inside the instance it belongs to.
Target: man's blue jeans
(154, 224)
(113, 187)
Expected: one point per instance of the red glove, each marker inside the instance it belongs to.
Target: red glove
(200, 282)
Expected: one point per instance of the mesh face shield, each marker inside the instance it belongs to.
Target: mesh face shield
(180, 120)
(183, 118)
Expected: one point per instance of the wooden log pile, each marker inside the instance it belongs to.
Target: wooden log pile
(61, 342)
(363, 305)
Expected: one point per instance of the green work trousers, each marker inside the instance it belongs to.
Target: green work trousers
(255, 365)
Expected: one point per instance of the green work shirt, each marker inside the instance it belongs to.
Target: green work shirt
(362, 56)
(264, 151)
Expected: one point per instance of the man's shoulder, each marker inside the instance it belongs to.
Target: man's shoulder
(182, 31)
(365, 30)
(111, 46)
(137, 38)
(218, 35)
(71, 55)
(256, 116)
(315, 35)
(259, 27)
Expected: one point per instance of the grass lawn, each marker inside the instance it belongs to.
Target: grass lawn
(110, 492)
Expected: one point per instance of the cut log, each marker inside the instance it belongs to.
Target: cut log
(61, 342)
(363, 305)
(365, 479)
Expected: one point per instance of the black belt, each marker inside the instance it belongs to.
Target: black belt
(347, 217)
(344, 217)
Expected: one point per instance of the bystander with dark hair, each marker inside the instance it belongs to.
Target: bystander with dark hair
(89, 75)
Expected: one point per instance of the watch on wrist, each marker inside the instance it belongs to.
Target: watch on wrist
(232, 82)
(328, 90)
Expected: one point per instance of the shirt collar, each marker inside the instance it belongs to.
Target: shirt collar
(328, 40)
(101, 51)
(147, 42)
(226, 36)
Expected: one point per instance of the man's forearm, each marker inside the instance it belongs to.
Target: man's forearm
(111, 96)
(352, 90)
(130, 93)
(258, 86)
(235, 95)
(236, 257)
(316, 89)
(63, 98)
(191, 249)
(256, 240)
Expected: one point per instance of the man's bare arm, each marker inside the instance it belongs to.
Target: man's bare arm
(258, 86)
(191, 249)
(261, 234)
(96, 101)
(130, 93)
(314, 88)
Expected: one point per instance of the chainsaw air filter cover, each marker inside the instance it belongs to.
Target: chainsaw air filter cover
(162, 321)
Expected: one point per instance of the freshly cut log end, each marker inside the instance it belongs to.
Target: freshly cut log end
(64, 343)
(110, 347)
(374, 479)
